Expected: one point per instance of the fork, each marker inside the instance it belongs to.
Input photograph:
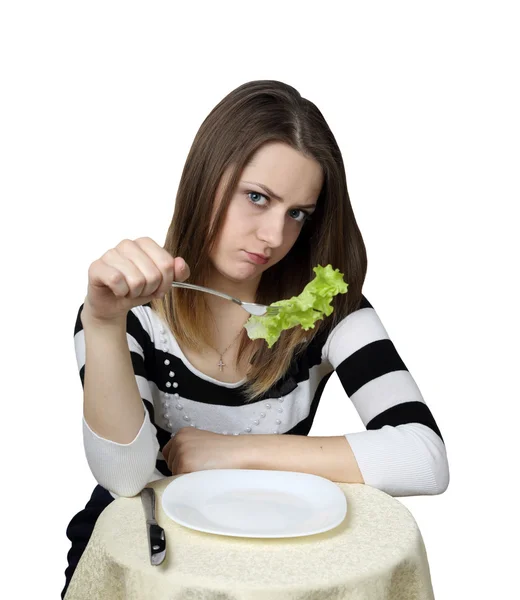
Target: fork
(251, 307)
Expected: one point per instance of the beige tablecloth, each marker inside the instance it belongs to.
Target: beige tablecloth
(377, 553)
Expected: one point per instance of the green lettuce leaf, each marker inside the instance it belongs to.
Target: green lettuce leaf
(307, 308)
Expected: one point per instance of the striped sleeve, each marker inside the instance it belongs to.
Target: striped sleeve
(123, 469)
(402, 451)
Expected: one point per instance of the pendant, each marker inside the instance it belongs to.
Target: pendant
(221, 365)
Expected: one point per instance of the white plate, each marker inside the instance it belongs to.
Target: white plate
(255, 503)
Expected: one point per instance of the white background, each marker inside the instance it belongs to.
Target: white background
(100, 102)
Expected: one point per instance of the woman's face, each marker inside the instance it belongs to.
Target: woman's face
(256, 222)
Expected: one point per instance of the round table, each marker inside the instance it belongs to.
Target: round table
(376, 553)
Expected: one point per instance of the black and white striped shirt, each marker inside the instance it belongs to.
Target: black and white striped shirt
(402, 451)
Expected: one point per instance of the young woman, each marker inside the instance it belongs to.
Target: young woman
(173, 384)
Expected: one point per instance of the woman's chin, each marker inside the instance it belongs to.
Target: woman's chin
(242, 272)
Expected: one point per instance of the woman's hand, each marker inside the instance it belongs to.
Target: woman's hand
(131, 274)
(197, 450)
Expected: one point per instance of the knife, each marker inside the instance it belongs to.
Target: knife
(156, 539)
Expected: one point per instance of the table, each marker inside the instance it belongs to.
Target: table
(376, 553)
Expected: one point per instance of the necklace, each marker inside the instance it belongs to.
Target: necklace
(221, 364)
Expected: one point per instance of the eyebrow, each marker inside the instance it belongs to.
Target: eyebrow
(276, 196)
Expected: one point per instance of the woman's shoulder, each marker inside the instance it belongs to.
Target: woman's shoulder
(329, 330)
(364, 303)
(363, 322)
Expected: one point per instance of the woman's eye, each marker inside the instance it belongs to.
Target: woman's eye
(255, 194)
(303, 215)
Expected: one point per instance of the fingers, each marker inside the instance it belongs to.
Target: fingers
(176, 467)
(170, 269)
(104, 274)
(182, 270)
(169, 452)
(140, 268)
(166, 450)
(137, 261)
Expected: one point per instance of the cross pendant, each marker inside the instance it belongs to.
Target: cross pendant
(221, 364)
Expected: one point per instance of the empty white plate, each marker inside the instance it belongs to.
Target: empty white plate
(255, 503)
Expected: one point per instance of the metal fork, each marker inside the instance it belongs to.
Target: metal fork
(251, 307)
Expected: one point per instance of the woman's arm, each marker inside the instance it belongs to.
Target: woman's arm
(112, 404)
(329, 457)
(402, 452)
(406, 460)
(120, 441)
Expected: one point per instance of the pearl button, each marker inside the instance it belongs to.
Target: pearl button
(179, 407)
(275, 430)
(256, 422)
(268, 405)
(236, 434)
(168, 384)
(166, 362)
(165, 348)
(172, 374)
(278, 422)
(262, 415)
(280, 399)
(186, 418)
(163, 340)
(224, 433)
(280, 410)
(248, 429)
(175, 384)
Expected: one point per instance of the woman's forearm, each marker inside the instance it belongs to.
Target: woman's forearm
(406, 460)
(112, 404)
(329, 457)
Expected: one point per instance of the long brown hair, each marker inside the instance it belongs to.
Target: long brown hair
(253, 114)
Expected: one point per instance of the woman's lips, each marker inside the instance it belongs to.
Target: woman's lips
(256, 259)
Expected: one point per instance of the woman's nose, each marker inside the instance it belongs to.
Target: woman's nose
(271, 230)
